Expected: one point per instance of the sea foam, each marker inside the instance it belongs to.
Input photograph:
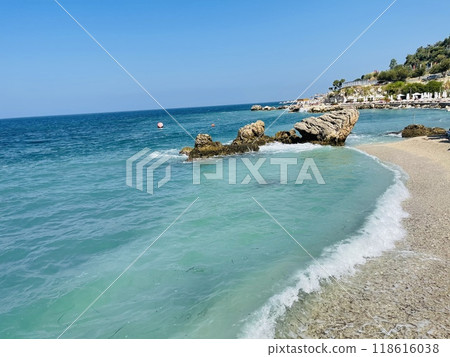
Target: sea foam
(276, 148)
(379, 233)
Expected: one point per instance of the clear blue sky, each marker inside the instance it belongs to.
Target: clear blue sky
(196, 53)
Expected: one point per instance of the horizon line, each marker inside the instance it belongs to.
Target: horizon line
(137, 110)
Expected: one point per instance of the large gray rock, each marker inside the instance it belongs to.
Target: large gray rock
(420, 130)
(328, 129)
(256, 107)
(203, 140)
(250, 133)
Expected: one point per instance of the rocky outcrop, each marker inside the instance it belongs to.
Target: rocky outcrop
(323, 108)
(328, 129)
(203, 140)
(218, 149)
(320, 108)
(287, 137)
(260, 107)
(252, 133)
(204, 147)
(294, 108)
(249, 138)
(414, 130)
(186, 150)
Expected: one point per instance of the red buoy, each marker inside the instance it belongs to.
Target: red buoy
(213, 125)
(160, 125)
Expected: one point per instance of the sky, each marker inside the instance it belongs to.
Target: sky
(196, 53)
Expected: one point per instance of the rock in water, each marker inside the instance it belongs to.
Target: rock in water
(249, 138)
(203, 140)
(186, 150)
(323, 108)
(287, 137)
(414, 130)
(252, 134)
(256, 107)
(328, 129)
(250, 131)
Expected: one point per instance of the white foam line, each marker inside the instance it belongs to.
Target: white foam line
(380, 232)
(278, 147)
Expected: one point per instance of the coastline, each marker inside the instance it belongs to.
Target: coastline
(405, 291)
(321, 107)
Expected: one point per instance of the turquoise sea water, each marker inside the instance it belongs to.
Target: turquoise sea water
(69, 225)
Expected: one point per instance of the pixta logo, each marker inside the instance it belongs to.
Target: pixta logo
(306, 169)
(141, 167)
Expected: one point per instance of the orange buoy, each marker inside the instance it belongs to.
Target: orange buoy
(213, 125)
(160, 125)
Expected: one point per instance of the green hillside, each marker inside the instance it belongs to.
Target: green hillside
(431, 59)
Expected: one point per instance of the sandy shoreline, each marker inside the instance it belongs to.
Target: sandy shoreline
(406, 291)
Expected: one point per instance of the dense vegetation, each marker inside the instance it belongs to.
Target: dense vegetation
(400, 87)
(431, 59)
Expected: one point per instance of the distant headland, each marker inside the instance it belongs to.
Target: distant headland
(422, 81)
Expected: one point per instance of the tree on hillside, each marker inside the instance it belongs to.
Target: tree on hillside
(393, 63)
(394, 88)
(337, 84)
(441, 67)
(400, 87)
(433, 86)
(399, 73)
(431, 54)
(419, 71)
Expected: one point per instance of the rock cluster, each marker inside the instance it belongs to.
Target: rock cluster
(215, 148)
(414, 130)
(249, 138)
(257, 107)
(323, 108)
(328, 129)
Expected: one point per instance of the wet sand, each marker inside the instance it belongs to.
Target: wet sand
(405, 293)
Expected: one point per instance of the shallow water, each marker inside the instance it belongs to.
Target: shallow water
(69, 225)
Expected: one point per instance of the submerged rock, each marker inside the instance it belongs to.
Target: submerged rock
(328, 129)
(414, 130)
